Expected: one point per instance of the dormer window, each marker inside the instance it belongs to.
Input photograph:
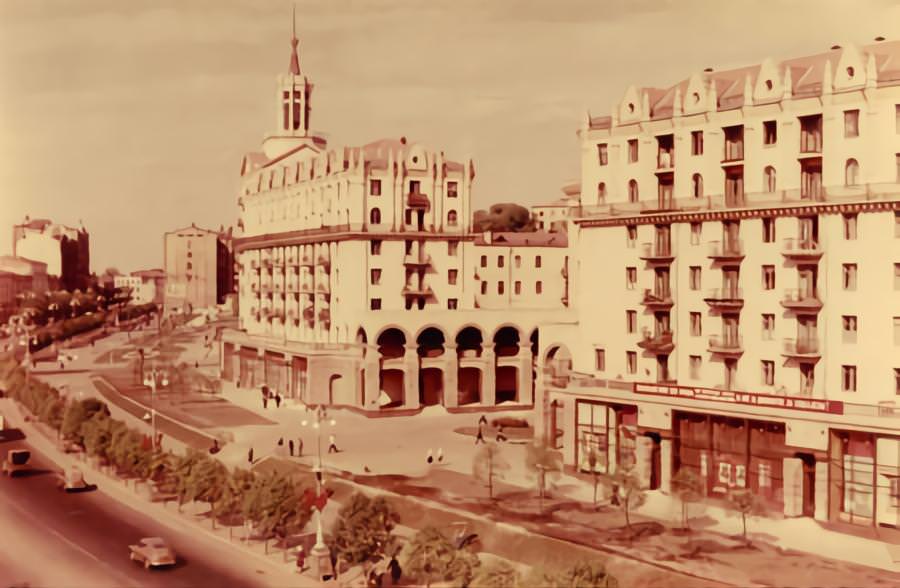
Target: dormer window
(452, 190)
(631, 107)
(769, 85)
(696, 97)
(850, 72)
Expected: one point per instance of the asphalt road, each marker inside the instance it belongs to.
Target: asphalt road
(57, 540)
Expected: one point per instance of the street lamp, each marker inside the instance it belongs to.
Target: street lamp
(153, 379)
(321, 556)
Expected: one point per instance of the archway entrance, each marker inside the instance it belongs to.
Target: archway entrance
(431, 387)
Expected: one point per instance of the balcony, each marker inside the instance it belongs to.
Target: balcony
(726, 345)
(665, 161)
(417, 200)
(657, 299)
(802, 249)
(801, 299)
(728, 250)
(325, 315)
(659, 342)
(804, 348)
(417, 260)
(417, 290)
(734, 153)
(279, 263)
(657, 253)
(309, 313)
(725, 298)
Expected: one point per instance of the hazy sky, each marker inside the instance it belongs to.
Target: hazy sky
(133, 115)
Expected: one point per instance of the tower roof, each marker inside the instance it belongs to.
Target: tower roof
(295, 59)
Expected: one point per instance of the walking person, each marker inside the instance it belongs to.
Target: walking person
(480, 437)
(332, 446)
(299, 447)
(430, 458)
(277, 400)
(250, 456)
(265, 397)
(500, 436)
(440, 455)
(483, 420)
(301, 559)
(291, 447)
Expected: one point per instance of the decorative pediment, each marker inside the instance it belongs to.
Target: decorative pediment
(769, 83)
(851, 69)
(695, 97)
(630, 107)
(416, 158)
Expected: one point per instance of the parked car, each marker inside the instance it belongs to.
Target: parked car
(152, 552)
(16, 461)
(72, 480)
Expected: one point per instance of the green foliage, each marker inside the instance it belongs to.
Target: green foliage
(541, 461)
(433, 558)
(275, 504)
(497, 574)
(746, 503)
(626, 484)
(237, 485)
(132, 312)
(97, 434)
(364, 529)
(687, 487)
(579, 575)
(76, 413)
(207, 480)
(489, 465)
(506, 217)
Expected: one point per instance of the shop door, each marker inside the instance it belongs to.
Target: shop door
(809, 484)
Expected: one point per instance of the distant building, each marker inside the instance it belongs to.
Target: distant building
(199, 269)
(551, 216)
(18, 275)
(65, 251)
(146, 286)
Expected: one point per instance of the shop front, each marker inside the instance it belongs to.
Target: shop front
(606, 436)
(865, 479)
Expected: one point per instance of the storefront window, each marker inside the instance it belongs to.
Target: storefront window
(593, 437)
(859, 476)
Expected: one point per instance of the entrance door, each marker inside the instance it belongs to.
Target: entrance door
(809, 484)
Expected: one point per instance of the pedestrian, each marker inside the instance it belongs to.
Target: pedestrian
(430, 458)
(332, 446)
(500, 436)
(291, 447)
(197, 364)
(480, 437)
(299, 447)
(159, 439)
(614, 499)
(250, 456)
(482, 420)
(277, 400)
(301, 559)
(394, 567)
(62, 365)
(215, 447)
(265, 402)
(281, 442)
(440, 456)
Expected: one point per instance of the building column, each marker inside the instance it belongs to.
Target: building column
(643, 459)
(372, 384)
(665, 463)
(793, 486)
(526, 380)
(488, 375)
(451, 375)
(821, 513)
(543, 430)
(411, 377)
(222, 359)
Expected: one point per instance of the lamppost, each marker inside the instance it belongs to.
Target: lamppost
(153, 379)
(320, 564)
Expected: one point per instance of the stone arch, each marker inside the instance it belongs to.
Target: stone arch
(392, 342)
(506, 339)
(470, 379)
(430, 344)
(430, 339)
(557, 361)
(392, 380)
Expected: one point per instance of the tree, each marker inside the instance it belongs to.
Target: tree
(626, 486)
(504, 217)
(497, 574)
(489, 465)
(236, 487)
(580, 575)
(541, 461)
(687, 487)
(97, 434)
(593, 459)
(275, 504)
(433, 558)
(207, 482)
(364, 529)
(76, 414)
(746, 504)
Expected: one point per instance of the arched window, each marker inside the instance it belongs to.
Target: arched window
(451, 218)
(633, 191)
(851, 173)
(375, 216)
(601, 192)
(697, 186)
(769, 179)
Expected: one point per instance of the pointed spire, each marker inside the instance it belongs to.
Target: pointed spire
(295, 59)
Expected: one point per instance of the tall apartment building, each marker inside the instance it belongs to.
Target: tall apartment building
(361, 282)
(199, 268)
(65, 250)
(737, 286)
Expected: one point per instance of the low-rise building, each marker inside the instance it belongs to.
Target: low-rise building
(18, 275)
(64, 250)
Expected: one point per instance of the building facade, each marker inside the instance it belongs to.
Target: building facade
(146, 285)
(18, 275)
(362, 284)
(65, 251)
(743, 317)
(199, 268)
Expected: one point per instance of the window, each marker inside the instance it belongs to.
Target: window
(631, 321)
(484, 287)
(451, 276)
(452, 248)
(632, 150)
(375, 187)
(849, 227)
(630, 277)
(848, 378)
(600, 360)
(631, 238)
(375, 217)
(500, 287)
(452, 303)
(851, 173)
(452, 189)
(768, 226)
(189, 265)
(518, 261)
(631, 361)
(897, 276)
(375, 304)
(849, 276)
(376, 277)
(768, 372)
(768, 277)
(851, 123)
(696, 233)
(696, 362)
(769, 179)
(768, 327)
(500, 261)
(770, 132)
(451, 218)
(517, 287)
(538, 287)
(414, 186)
(696, 142)
(697, 186)
(602, 154)
(848, 324)
(897, 161)
(633, 194)
(484, 261)
(375, 247)
(696, 324)
(408, 245)
(537, 261)
(896, 223)
(695, 277)
(189, 254)
(601, 192)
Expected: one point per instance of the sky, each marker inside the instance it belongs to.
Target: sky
(132, 117)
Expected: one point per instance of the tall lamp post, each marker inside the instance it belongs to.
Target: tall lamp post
(320, 564)
(153, 379)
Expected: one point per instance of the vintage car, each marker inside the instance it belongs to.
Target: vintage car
(152, 552)
(16, 461)
(72, 480)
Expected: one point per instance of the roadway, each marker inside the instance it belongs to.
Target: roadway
(58, 540)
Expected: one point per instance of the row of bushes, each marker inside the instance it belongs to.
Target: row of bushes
(132, 312)
(62, 330)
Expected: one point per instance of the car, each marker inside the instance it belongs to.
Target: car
(16, 461)
(72, 480)
(152, 552)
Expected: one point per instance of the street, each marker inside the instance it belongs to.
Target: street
(56, 539)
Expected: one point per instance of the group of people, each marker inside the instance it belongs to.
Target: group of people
(267, 395)
(479, 438)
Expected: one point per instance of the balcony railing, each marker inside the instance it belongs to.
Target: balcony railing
(728, 250)
(802, 248)
(734, 151)
(417, 290)
(417, 200)
(660, 298)
(803, 347)
(726, 344)
(658, 342)
(657, 252)
(725, 298)
(811, 141)
(802, 299)
(665, 160)
(417, 260)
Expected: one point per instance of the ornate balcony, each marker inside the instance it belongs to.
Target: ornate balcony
(728, 250)
(417, 200)
(309, 313)
(804, 348)
(657, 253)
(660, 342)
(725, 298)
(726, 344)
(802, 249)
(801, 299)
(657, 299)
